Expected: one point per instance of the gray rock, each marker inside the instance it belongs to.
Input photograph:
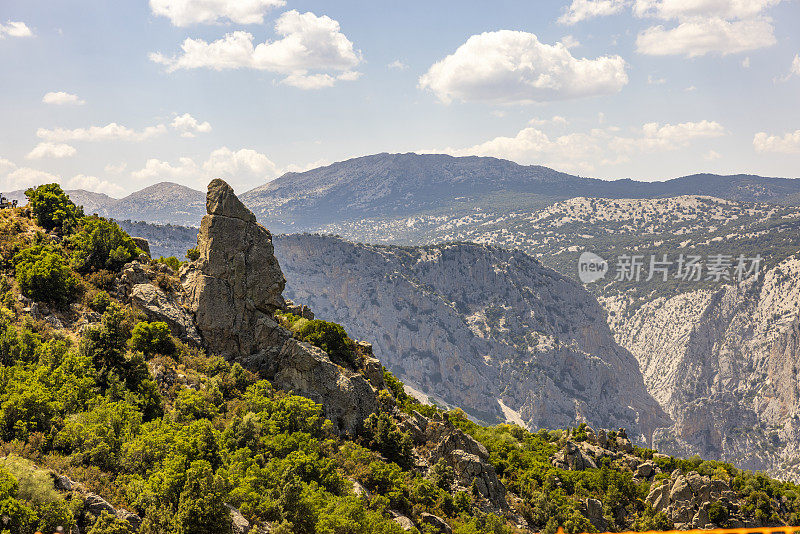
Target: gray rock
(239, 524)
(142, 243)
(404, 522)
(594, 513)
(681, 490)
(132, 519)
(436, 522)
(222, 201)
(96, 505)
(645, 470)
(159, 306)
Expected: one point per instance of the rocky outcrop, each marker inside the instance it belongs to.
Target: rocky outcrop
(438, 439)
(488, 330)
(234, 288)
(138, 284)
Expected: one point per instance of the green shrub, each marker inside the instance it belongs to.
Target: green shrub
(171, 261)
(43, 275)
(110, 524)
(382, 435)
(101, 244)
(33, 485)
(100, 302)
(193, 254)
(152, 338)
(53, 209)
(330, 337)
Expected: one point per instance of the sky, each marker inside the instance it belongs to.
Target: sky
(115, 96)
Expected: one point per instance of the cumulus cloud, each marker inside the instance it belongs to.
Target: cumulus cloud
(115, 168)
(585, 151)
(51, 150)
(680, 9)
(15, 29)
(243, 169)
(585, 9)
(109, 132)
(187, 12)
(700, 36)
(13, 178)
(189, 126)
(515, 67)
(787, 144)
(397, 65)
(310, 51)
(60, 98)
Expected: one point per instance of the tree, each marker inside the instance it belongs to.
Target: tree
(53, 208)
(43, 275)
(152, 338)
(202, 502)
(101, 244)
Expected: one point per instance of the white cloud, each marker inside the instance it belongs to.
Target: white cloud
(310, 48)
(115, 169)
(699, 36)
(397, 65)
(787, 144)
(570, 42)
(226, 162)
(585, 151)
(656, 137)
(51, 150)
(556, 120)
(653, 80)
(243, 169)
(189, 126)
(60, 98)
(585, 9)
(794, 70)
(15, 29)
(514, 67)
(110, 132)
(746, 62)
(13, 178)
(186, 12)
(712, 155)
(681, 9)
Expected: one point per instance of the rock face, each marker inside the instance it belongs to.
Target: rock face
(234, 288)
(723, 363)
(440, 440)
(488, 330)
(236, 284)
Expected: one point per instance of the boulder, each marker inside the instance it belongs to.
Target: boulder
(96, 505)
(129, 517)
(645, 470)
(439, 524)
(142, 243)
(470, 469)
(239, 525)
(404, 522)
(594, 513)
(681, 490)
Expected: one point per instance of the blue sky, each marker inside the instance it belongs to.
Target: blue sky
(110, 96)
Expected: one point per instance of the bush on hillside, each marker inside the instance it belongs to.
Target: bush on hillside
(330, 337)
(53, 209)
(101, 244)
(152, 338)
(43, 275)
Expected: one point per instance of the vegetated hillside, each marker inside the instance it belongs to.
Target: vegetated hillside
(488, 330)
(113, 421)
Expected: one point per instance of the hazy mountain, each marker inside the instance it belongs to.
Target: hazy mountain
(162, 203)
(385, 186)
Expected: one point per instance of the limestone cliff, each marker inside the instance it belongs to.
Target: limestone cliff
(486, 329)
(724, 365)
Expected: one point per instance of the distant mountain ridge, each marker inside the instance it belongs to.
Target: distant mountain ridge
(402, 185)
